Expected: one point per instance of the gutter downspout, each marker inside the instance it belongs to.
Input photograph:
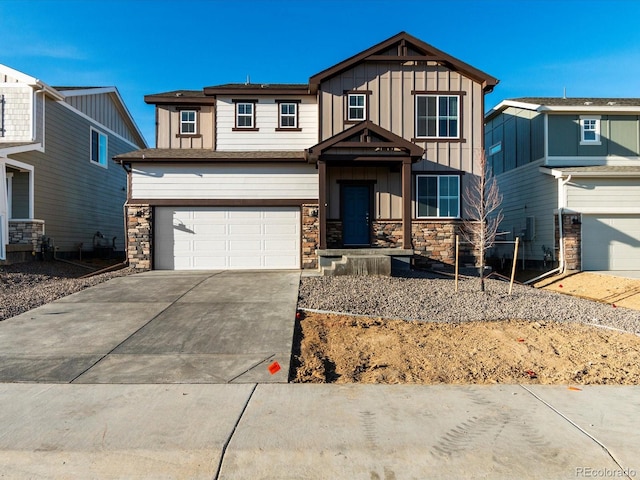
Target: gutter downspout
(561, 266)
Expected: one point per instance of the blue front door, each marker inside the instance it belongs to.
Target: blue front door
(356, 205)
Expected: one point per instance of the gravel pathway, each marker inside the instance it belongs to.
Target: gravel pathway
(24, 286)
(426, 297)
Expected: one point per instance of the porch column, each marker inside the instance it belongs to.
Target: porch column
(322, 203)
(406, 203)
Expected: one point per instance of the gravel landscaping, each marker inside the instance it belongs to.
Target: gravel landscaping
(24, 286)
(427, 297)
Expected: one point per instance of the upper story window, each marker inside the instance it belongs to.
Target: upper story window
(438, 196)
(437, 116)
(288, 115)
(245, 114)
(495, 148)
(188, 124)
(590, 130)
(98, 147)
(356, 107)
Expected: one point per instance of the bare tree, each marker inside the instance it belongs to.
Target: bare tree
(483, 200)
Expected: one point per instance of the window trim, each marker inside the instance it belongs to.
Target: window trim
(195, 122)
(437, 95)
(100, 134)
(595, 118)
(295, 115)
(365, 108)
(237, 115)
(438, 176)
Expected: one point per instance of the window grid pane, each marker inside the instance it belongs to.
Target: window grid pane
(244, 116)
(438, 196)
(357, 105)
(288, 115)
(437, 116)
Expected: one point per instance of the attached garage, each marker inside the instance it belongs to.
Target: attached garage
(211, 238)
(611, 242)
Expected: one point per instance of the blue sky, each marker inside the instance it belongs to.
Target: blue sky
(535, 48)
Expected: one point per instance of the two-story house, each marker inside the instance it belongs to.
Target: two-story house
(371, 155)
(56, 178)
(569, 172)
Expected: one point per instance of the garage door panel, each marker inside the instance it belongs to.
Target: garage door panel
(611, 242)
(227, 238)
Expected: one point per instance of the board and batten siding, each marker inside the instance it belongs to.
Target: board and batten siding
(604, 195)
(104, 110)
(619, 136)
(526, 192)
(391, 104)
(266, 121)
(520, 134)
(224, 181)
(387, 190)
(168, 136)
(75, 197)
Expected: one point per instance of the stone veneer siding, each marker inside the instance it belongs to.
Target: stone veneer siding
(572, 233)
(139, 235)
(26, 232)
(433, 241)
(310, 235)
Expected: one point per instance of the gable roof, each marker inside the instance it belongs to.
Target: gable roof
(403, 41)
(568, 105)
(258, 88)
(382, 142)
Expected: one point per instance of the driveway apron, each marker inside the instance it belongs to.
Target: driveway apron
(158, 327)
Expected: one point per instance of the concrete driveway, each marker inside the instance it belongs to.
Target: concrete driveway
(158, 327)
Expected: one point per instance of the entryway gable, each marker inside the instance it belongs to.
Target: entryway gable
(366, 141)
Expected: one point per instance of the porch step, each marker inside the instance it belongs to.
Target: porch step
(359, 265)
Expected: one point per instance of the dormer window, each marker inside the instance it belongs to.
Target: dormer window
(589, 130)
(188, 122)
(356, 107)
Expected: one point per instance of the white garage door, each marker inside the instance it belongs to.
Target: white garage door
(209, 238)
(611, 242)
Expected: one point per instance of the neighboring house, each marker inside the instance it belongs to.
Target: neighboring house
(575, 158)
(56, 177)
(370, 156)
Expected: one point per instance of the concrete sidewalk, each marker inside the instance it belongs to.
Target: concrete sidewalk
(287, 431)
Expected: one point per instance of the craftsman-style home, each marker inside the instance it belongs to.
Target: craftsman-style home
(370, 157)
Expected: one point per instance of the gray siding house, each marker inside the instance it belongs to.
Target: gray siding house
(369, 157)
(57, 180)
(569, 172)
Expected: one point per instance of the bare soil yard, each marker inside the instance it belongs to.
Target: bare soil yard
(348, 349)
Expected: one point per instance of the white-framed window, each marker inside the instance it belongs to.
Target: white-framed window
(188, 124)
(437, 116)
(99, 147)
(288, 115)
(356, 107)
(245, 114)
(437, 196)
(589, 130)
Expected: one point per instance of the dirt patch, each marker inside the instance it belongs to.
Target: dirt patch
(618, 291)
(346, 349)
